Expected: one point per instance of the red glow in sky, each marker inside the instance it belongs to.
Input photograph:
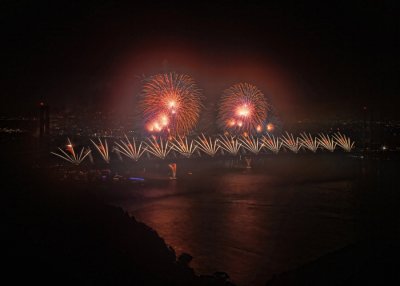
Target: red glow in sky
(212, 75)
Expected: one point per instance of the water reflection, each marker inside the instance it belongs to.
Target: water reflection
(256, 222)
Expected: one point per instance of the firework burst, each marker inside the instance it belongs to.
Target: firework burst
(308, 142)
(207, 145)
(71, 156)
(271, 143)
(229, 144)
(251, 144)
(326, 142)
(343, 141)
(102, 149)
(290, 143)
(171, 103)
(129, 149)
(243, 107)
(182, 146)
(159, 148)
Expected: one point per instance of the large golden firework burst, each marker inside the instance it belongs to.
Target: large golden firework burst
(171, 104)
(243, 108)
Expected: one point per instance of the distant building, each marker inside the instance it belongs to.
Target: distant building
(44, 120)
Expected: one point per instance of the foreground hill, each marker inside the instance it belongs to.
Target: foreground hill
(62, 234)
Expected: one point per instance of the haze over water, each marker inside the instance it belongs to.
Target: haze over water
(253, 223)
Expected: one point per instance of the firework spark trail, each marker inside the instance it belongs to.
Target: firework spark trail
(243, 107)
(158, 149)
(308, 142)
(72, 157)
(272, 143)
(130, 149)
(326, 142)
(290, 143)
(343, 141)
(251, 144)
(208, 146)
(229, 144)
(171, 103)
(182, 146)
(102, 149)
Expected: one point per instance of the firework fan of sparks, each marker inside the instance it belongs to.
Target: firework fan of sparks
(102, 148)
(171, 104)
(229, 144)
(290, 143)
(207, 145)
(71, 156)
(309, 142)
(158, 148)
(343, 141)
(326, 142)
(243, 107)
(182, 146)
(271, 143)
(130, 149)
(252, 144)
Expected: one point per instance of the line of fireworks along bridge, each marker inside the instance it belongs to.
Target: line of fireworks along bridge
(203, 145)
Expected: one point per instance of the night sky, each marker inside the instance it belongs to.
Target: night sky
(314, 61)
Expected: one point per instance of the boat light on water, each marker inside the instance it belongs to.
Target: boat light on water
(136, 179)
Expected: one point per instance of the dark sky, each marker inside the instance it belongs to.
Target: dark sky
(314, 60)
